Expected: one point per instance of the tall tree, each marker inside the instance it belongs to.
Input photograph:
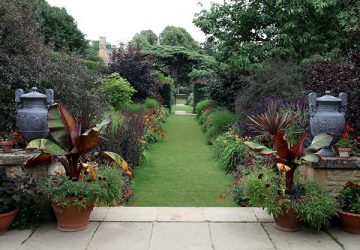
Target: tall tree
(144, 38)
(177, 36)
(60, 28)
(251, 31)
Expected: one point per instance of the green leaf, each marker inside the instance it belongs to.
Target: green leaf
(311, 158)
(62, 125)
(46, 146)
(119, 161)
(320, 141)
(258, 147)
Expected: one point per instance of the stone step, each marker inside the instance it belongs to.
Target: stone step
(180, 214)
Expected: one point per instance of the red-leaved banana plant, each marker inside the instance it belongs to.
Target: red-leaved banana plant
(71, 146)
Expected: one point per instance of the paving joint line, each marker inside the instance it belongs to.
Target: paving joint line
(268, 235)
(92, 236)
(151, 235)
(334, 239)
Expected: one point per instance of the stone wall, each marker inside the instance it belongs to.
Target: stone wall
(332, 172)
(13, 163)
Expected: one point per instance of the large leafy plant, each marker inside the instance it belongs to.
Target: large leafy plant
(73, 147)
(288, 157)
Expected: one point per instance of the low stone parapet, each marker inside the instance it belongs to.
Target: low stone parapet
(332, 172)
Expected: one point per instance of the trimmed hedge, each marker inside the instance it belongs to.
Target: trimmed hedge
(166, 95)
(199, 93)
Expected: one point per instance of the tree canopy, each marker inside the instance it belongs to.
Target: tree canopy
(60, 28)
(251, 31)
(143, 38)
(177, 36)
(178, 61)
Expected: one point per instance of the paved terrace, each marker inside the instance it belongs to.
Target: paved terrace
(179, 228)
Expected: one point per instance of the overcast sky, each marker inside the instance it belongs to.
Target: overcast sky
(119, 20)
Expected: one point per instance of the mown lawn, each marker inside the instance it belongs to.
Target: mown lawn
(181, 170)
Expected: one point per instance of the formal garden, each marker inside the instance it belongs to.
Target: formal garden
(264, 114)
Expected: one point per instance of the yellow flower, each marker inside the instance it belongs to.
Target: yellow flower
(225, 142)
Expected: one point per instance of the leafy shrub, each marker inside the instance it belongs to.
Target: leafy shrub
(36, 64)
(135, 107)
(166, 95)
(218, 122)
(153, 127)
(279, 80)
(30, 215)
(201, 106)
(105, 189)
(349, 198)
(126, 138)
(316, 207)
(231, 151)
(264, 187)
(8, 192)
(131, 66)
(151, 103)
(118, 90)
(198, 91)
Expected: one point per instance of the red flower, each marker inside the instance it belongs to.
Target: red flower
(346, 134)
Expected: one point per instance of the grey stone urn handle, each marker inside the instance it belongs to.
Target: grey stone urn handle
(49, 96)
(312, 103)
(343, 97)
(18, 94)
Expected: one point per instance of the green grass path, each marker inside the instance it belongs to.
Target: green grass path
(181, 170)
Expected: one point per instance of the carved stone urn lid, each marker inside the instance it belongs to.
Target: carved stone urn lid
(33, 94)
(328, 98)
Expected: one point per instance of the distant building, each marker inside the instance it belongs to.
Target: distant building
(104, 51)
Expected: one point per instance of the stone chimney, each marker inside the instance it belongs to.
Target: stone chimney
(103, 53)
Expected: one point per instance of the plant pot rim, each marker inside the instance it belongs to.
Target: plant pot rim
(7, 143)
(10, 212)
(348, 213)
(344, 149)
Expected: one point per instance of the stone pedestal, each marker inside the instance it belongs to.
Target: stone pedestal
(332, 172)
(13, 163)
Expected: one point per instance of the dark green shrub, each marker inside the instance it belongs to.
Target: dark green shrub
(166, 95)
(151, 103)
(30, 215)
(198, 91)
(218, 122)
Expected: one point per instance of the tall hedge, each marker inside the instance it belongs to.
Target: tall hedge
(199, 93)
(166, 95)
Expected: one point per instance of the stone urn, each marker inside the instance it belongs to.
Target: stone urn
(32, 109)
(327, 115)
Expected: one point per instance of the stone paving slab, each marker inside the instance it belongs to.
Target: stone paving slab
(305, 239)
(262, 215)
(48, 237)
(99, 213)
(122, 235)
(348, 240)
(239, 236)
(181, 236)
(183, 214)
(13, 239)
(233, 214)
(142, 214)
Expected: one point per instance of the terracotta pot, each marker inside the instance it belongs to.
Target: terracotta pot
(6, 146)
(288, 221)
(6, 219)
(72, 219)
(344, 152)
(350, 221)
